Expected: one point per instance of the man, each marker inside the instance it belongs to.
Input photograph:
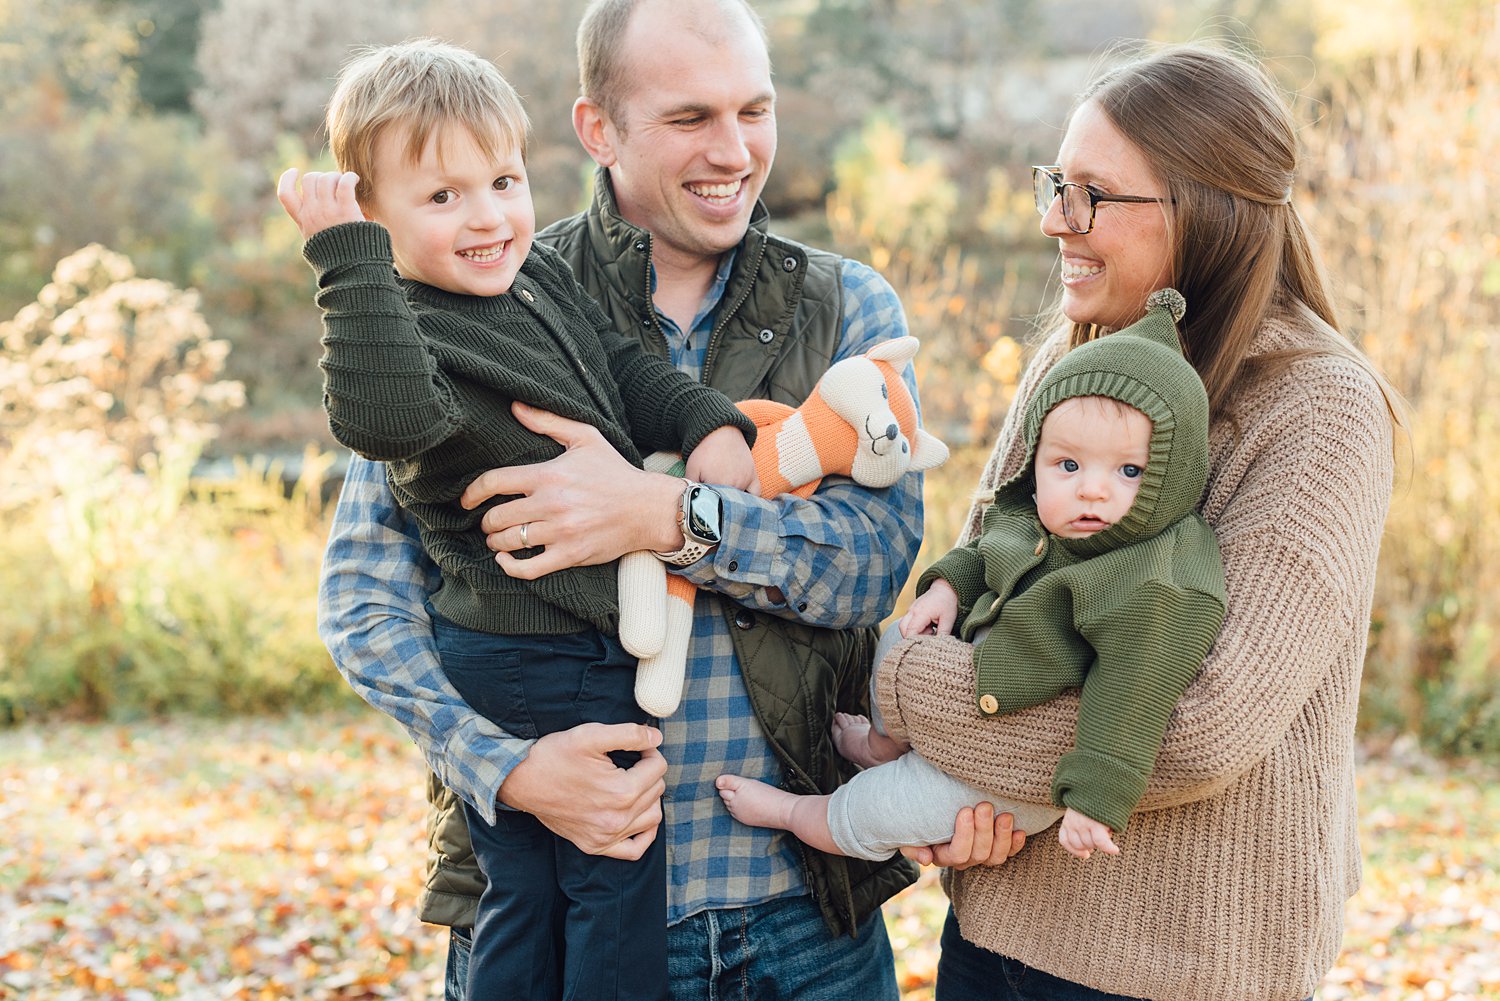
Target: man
(678, 110)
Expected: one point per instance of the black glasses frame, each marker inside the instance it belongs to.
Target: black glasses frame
(1053, 178)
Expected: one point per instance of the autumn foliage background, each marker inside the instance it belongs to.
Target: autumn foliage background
(192, 802)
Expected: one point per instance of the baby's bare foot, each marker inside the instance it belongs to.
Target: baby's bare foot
(851, 735)
(858, 741)
(754, 803)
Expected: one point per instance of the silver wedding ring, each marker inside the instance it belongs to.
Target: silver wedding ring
(524, 526)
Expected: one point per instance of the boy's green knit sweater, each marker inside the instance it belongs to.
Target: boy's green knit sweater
(1127, 614)
(424, 380)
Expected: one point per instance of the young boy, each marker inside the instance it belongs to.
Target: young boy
(439, 313)
(1092, 569)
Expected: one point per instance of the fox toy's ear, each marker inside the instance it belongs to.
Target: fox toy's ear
(928, 452)
(898, 351)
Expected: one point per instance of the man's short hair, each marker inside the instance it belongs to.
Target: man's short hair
(420, 85)
(602, 78)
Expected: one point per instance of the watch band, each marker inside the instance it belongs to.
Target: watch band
(686, 556)
(692, 550)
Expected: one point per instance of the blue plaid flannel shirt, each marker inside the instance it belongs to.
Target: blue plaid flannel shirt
(840, 559)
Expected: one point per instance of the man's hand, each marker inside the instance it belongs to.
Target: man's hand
(587, 506)
(569, 783)
(1082, 835)
(933, 613)
(325, 200)
(722, 457)
(979, 838)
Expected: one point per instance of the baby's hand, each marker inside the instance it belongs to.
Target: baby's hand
(933, 613)
(723, 457)
(326, 199)
(1082, 836)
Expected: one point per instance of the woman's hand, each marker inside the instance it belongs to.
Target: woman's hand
(979, 838)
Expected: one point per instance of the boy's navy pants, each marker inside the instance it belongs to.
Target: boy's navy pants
(555, 923)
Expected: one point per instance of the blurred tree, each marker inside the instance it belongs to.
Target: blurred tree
(58, 59)
(1402, 164)
(885, 201)
(146, 184)
(268, 67)
(103, 351)
(167, 52)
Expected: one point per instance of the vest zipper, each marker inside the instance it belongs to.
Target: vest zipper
(726, 315)
(661, 334)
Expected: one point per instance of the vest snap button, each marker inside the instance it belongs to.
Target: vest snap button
(766, 336)
(789, 264)
(988, 704)
(744, 619)
(640, 246)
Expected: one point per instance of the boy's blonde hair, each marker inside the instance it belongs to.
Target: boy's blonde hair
(420, 85)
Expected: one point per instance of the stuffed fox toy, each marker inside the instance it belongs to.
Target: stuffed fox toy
(859, 422)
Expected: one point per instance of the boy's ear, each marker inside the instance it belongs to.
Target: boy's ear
(595, 131)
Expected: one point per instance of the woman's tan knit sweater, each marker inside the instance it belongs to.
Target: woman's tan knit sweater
(1234, 872)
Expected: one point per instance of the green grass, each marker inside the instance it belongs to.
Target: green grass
(281, 857)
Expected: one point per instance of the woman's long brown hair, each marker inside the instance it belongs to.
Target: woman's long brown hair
(1218, 134)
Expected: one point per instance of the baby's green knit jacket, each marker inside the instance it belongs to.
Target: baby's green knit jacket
(1127, 614)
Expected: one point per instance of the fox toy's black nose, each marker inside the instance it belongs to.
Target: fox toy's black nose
(892, 431)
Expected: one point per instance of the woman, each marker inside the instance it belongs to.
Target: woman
(1178, 169)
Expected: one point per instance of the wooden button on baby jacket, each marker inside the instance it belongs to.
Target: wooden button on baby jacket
(988, 704)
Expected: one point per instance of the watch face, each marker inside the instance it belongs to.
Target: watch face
(703, 515)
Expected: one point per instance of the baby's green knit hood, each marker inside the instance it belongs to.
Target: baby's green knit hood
(1141, 365)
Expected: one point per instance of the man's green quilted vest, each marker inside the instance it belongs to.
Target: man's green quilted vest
(779, 322)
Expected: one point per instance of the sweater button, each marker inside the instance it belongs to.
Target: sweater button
(527, 296)
(744, 619)
(766, 336)
(789, 264)
(988, 704)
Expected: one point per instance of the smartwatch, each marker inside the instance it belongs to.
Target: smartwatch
(699, 511)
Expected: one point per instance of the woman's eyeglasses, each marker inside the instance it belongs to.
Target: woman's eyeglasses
(1079, 201)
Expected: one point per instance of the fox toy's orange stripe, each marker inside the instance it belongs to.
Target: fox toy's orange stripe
(831, 436)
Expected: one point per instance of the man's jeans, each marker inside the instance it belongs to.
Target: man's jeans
(456, 978)
(777, 951)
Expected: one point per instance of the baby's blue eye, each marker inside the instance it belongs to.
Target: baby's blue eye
(1070, 466)
(1131, 472)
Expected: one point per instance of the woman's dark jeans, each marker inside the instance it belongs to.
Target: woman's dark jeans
(968, 973)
